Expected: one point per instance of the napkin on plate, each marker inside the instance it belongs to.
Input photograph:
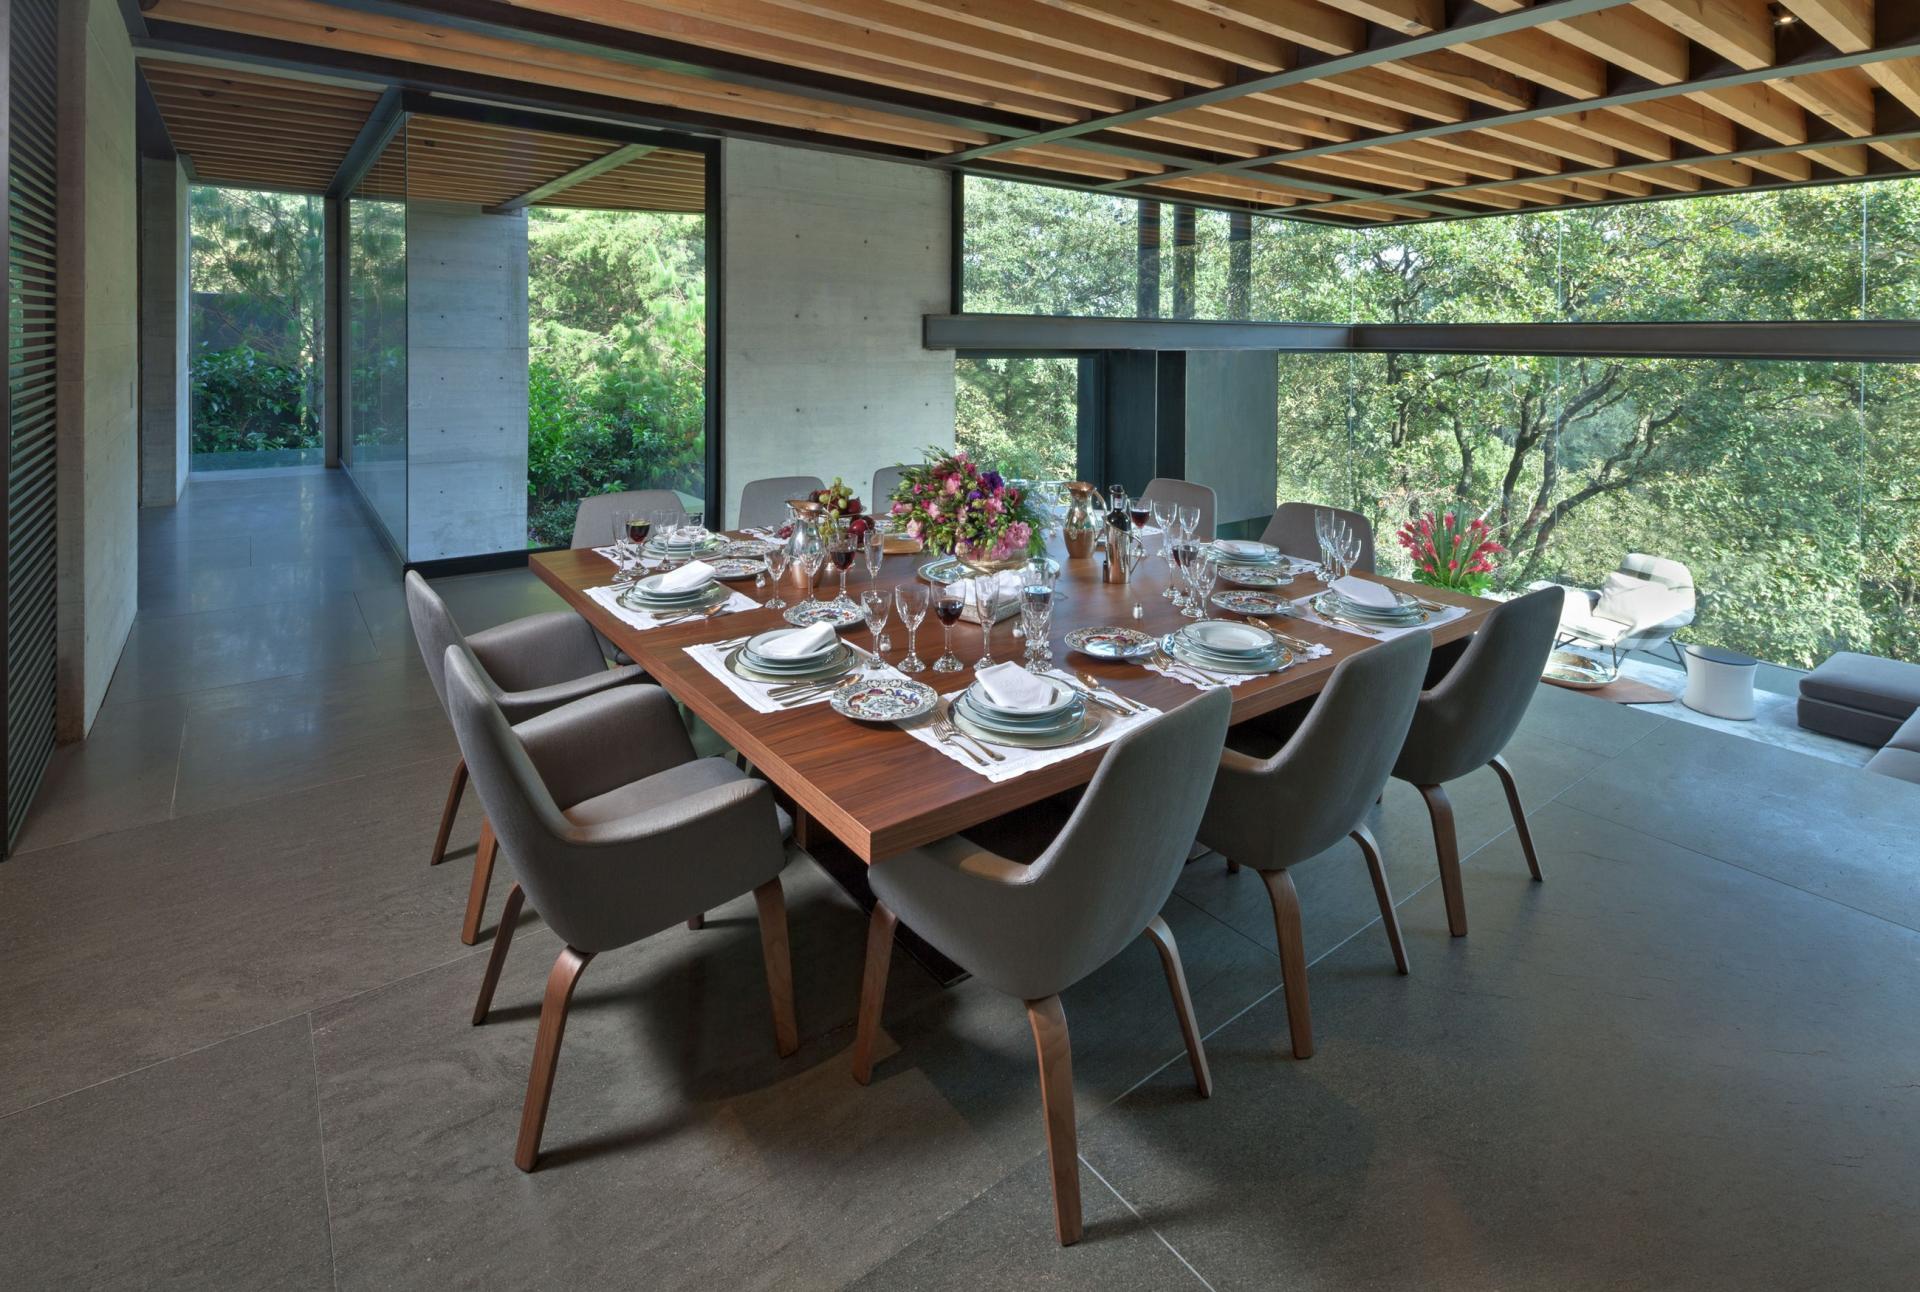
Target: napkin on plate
(1244, 549)
(1362, 593)
(1005, 602)
(1009, 686)
(799, 643)
(694, 574)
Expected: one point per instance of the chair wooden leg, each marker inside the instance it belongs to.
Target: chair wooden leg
(561, 981)
(482, 876)
(1182, 1003)
(772, 901)
(1050, 1043)
(447, 813)
(1370, 848)
(1293, 959)
(873, 989)
(698, 922)
(1446, 843)
(1499, 765)
(497, 958)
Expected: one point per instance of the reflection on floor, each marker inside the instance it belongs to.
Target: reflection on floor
(1774, 719)
(234, 1048)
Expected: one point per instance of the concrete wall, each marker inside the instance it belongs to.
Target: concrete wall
(1232, 426)
(466, 381)
(98, 355)
(830, 262)
(165, 442)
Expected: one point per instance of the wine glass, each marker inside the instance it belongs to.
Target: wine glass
(1036, 613)
(639, 525)
(1202, 572)
(874, 551)
(876, 606)
(1179, 553)
(1189, 518)
(1322, 524)
(910, 599)
(947, 605)
(807, 556)
(777, 557)
(1139, 511)
(986, 599)
(840, 551)
(1163, 518)
(1349, 549)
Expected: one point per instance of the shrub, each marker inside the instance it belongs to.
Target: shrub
(244, 400)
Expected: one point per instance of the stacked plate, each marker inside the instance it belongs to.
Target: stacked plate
(1405, 612)
(646, 594)
(674, 547)
(1060, 721)
(1225, 647)
(1246, 551)
(751, 660)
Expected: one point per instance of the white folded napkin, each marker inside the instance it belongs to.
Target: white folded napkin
(694, 574)
(1362, 593)
(1243, 548)
(1006, 599)
(799, 643)
(1009, 686)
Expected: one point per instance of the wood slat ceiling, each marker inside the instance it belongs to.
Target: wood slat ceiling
(255, 130)
(1352, 110)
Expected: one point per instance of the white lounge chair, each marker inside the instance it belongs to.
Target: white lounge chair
(1639, 607)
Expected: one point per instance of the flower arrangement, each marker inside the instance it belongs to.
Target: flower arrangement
(1450, 554)
(953, 504)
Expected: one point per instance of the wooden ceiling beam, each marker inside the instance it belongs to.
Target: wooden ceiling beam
(1523, 156)
(1847, 25)
(1686, 121)
(1844, 99)
(1538, 57)
(1466, 77)
(1735, 173)
(1406, 17)
(1630, 39)
(1901, 79)
(1740, 31)
(1156, 54)
(1621, 132)
(1552, 139)
(1190, 29)
(1844, 159)
(1672, 177)
(1472, 164)
(1313, 25)
(1759, 108)
(1376, 85)
(1792, 167)
(1317, 98)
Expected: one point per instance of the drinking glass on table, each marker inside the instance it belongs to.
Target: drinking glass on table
(807, 556)
(1189, 518)
(1202, 572)
(1322, 525)
(986, 599)
(910, 599)
(948, 603)
(778, 555)
(840, 548)
(876, 606)
(1179, 553)
(1036, 613)
(1163, 518)
(1349, 550)
(875, 551)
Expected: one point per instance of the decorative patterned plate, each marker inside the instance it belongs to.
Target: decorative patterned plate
(1090, 722)
(1244, 601)
(737, 567)
(824, 612)
(1255, 576)
(1110, 643)
(744, 549)
(1571, 668)
(884, 699)
(840, 662)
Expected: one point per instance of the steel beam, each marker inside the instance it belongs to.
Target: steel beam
(382, 122)
(579, 175)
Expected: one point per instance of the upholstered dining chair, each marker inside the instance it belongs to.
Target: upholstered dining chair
(763, 503)
(1187, 494)
(1291, 530)
(530, 665)
(593, 523)
(1317, 789)
(615, 831)
(1466, 720)
(885, 481)
(1034, 930)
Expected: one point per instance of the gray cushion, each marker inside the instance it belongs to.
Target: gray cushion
(1847, 723)
(1908, 737)
(661, 788)
(1901, 764)
(1883, 686)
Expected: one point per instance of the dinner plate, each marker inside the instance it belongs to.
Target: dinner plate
(1570, 668)
(1111, 643)
(712, 595)
(1224, 637)
(1025, 724)
(1246, 601)
(737, 664)
(737, 567)
(1176, 647)
(884, 699)
(648, 588)
(1063, 697)
(1089, 724)
(824, 612)
(745, 549)
(1254, 576)
(1409, 614)
(1246, 551)
(756, 652)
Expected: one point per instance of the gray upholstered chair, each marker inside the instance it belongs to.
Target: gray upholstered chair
(593, 523)
(1269, 813)
(1186, 494)
(1291, 530)
(763, 503)
(885, 481)
(1034, 930)
(615, 831)
(1468, 718)
(530, 665)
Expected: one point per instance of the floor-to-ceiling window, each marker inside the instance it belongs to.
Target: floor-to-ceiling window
(374, 448)
(256, 328)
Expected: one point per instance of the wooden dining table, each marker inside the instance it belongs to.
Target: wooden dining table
(876, 789)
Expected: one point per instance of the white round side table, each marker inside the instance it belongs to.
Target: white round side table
(1720, 683)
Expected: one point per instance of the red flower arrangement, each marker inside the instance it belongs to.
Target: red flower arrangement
(1449, 554)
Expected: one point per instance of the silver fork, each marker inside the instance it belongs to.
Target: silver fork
(945, 735)
(1185, 672)
(983, 747)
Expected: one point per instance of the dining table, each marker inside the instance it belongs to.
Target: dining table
(875, 788)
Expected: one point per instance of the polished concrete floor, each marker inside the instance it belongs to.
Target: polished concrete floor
(234, 1048)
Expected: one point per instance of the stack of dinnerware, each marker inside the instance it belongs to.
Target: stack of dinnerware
(1372, 605)
(792, 654)
(1223, 646)
(681, 545)
(1014, 707)
(1246, 551)
(674, 592)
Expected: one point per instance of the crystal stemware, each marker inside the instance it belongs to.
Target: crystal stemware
(910, 599)
(947, 606)
(1036, 613)
(1163, 518)
(807, 555)
(1189, 518)
(874, 551)
(1179, 553)
(876, 606)
(986, 599)
(840, 547)
(1202, 571)
(777, 557)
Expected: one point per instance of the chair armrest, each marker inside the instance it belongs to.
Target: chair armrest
(604, 741)
(539, 651)
(519, 706)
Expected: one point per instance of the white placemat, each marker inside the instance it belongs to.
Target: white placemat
(1018, 762)
(712, 656)
(609, 598)
(1303, 609)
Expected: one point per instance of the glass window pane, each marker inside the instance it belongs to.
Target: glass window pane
(1021, 414)
(375, 452)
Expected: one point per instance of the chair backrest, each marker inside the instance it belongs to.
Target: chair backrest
(593, 523)
(885, 481)
(763, 503)
(433, 631)
(1291, 530)
(1658, 569)
(1474, 710)
(1114, 864)
(1328, 775)
(1186, 494)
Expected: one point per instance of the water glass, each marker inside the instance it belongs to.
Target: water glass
(986, 599)
(777, 556)
(1189, 518)
(1179, 553)
(1036, 616)
(874, 552)
(876, 606)
(808, 553)
(1202, 572)
(910, 599)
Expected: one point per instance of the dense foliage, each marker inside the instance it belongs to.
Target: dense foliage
(1790, 489)
(617, 398)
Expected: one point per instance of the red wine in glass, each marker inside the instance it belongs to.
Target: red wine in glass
(637, 530)
(947, 610)
(1142, 512)
(842, 557)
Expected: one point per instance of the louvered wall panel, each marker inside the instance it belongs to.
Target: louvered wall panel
(30, 403)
